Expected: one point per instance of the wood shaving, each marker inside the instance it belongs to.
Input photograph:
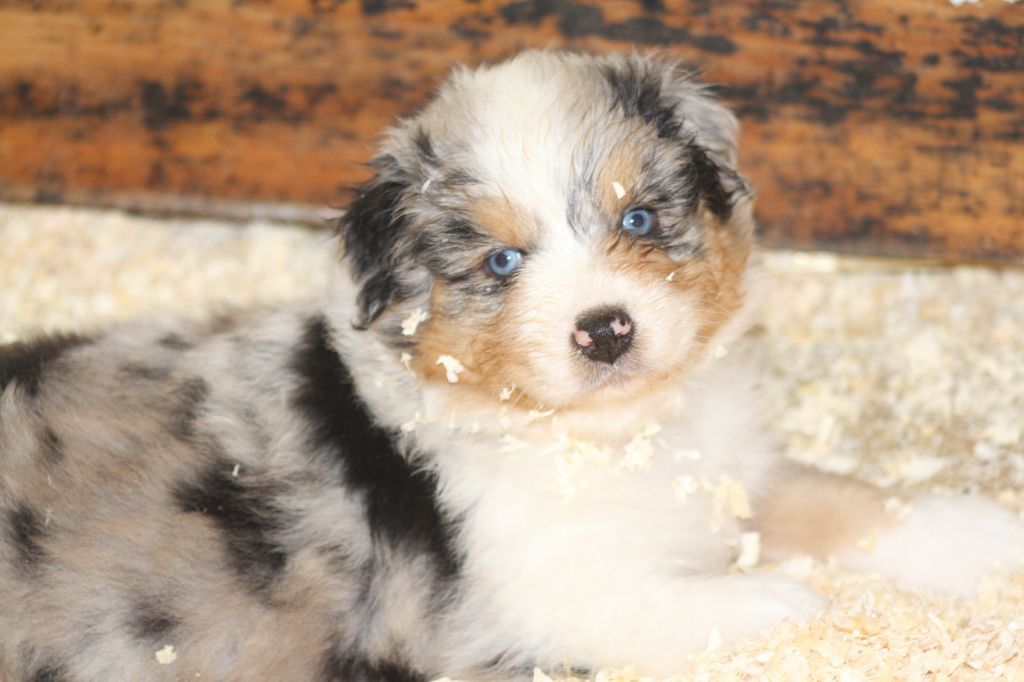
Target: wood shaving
(506, 393)
(639, 452)
(570, 457)
(406, 360)
(620, 191)
(750, 550)
(685, 486)
(234, 472)
(412, 323)
(452, 368)
(167, 655)
(730, 497)
(504, 418)
(898, 508)
(534, 415)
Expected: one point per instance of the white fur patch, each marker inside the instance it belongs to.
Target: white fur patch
(946, 544)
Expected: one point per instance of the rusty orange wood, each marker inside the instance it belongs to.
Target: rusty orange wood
(877, 126)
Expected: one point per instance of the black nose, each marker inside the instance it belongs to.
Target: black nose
(603, 334)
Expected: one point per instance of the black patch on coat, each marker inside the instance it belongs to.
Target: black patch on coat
(371, 228)
(401, 503)
(189, 399)
(26, 530)
(352, 669)
(25, 362)
(50, 671)
(247, 515)
(638, 92)
(150, 621)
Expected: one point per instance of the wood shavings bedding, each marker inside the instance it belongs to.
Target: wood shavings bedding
(899, 374)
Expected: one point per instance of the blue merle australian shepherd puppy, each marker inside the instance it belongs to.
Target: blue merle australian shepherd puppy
(507, 437)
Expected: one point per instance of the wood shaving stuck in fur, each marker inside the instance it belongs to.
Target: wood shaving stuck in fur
(412, 323)
(534, 415)
(898, 508)
(166, 655)
(452, 368)
(750, 550)
(869, 367)
(684, 486)
(730, 497)
(571, 456)
(620, 191)
(639, 452)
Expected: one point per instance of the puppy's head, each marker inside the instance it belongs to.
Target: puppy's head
(571, 226)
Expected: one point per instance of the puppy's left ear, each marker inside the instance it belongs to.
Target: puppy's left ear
(374, 231)
(668, 95)
(712, 132)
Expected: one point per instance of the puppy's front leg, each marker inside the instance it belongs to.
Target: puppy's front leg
(930, 542)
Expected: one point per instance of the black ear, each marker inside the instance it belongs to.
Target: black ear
(373, 228)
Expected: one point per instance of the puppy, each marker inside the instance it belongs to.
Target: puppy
(506, 438)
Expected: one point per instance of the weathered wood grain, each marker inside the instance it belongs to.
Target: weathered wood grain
(879, 126)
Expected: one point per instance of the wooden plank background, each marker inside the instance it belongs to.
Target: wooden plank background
(891, 127)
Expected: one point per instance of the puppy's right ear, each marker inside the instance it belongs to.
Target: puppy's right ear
(373, 230)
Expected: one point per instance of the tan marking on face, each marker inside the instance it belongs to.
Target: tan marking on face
(490, 348)
(506, 222)
(714, 279)
(724, 262)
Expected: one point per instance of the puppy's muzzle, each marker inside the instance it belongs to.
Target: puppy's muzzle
(603, 334)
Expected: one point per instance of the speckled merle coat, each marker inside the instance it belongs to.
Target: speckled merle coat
(307, 494)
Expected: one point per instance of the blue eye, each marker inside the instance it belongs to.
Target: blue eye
(638, 221)
(504, 262)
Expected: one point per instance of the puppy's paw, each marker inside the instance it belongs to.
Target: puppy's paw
(763, 600)
(946, 544)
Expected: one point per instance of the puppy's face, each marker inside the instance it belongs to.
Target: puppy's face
(572, 226)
